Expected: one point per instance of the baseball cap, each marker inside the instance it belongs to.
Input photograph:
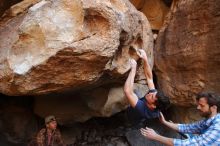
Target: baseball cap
(49, 119)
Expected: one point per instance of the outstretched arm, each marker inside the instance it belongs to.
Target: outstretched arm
(168, 124)
(151, 134)
(210, 137)
(128, 87)
(147, 69)
(193, 128)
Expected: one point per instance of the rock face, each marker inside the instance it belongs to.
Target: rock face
(187, 55)
(188, 114)
(154, 10)
(68, 45)
(79, 107)
(4, 5)
(17, 121)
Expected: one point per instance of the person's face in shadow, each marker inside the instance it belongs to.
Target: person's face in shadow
(52, 125)
(151, 100)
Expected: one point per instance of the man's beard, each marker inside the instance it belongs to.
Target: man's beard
(206, 114)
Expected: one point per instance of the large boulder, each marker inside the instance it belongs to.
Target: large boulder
(68, 45)
(187, 54)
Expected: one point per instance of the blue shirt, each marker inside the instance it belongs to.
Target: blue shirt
(208, 131)
(143, 111)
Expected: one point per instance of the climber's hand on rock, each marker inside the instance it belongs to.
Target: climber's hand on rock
(142, 54)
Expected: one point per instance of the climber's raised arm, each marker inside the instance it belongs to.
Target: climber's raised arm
(128, 87)
(147, 69)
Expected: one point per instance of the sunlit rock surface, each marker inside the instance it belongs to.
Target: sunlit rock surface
(154, 10)
(187, 54)
(68, 45)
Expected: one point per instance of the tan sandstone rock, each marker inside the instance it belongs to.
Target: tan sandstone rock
(138, 3)
(5, 4)
(154, 10)
(81, 106)
(181, 114)
(68, 45)
(187, 56)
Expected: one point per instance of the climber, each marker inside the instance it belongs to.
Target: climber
(150, 105)
(206, 132)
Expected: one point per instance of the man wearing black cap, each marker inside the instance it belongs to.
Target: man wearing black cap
(150, 105)
(50, 136)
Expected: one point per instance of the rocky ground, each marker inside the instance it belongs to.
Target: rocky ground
(117, 130)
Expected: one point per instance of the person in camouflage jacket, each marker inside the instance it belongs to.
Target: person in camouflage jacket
(49, 136)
